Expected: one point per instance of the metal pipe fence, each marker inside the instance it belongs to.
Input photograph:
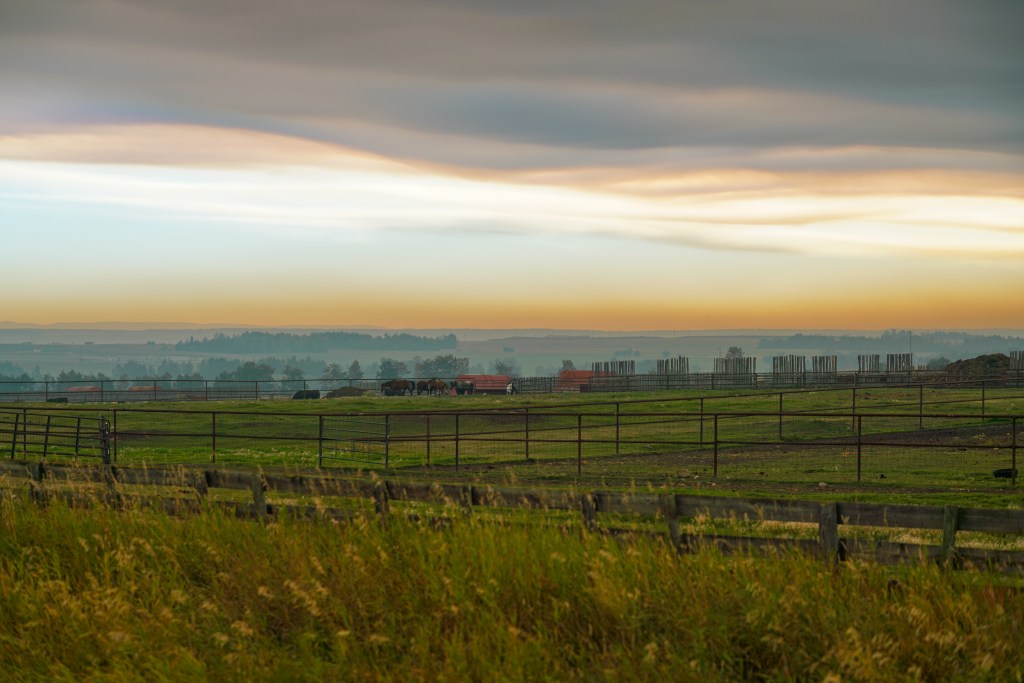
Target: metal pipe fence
(626, 439)
(139, 390)
(25, 434)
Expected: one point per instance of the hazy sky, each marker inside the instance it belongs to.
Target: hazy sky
(600, 164)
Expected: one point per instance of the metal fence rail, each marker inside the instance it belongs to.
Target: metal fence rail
(138, 390)
(24, 434)
(832, 446)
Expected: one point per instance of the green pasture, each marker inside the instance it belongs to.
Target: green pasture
(660, 438)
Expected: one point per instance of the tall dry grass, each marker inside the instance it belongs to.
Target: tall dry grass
(99, 595)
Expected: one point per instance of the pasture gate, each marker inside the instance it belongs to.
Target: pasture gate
(24, 433)
(362, 439)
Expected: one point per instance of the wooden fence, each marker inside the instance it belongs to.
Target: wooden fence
(188, 490)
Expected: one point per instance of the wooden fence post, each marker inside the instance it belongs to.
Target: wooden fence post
(588, 507)
(667, 504)
(828, 532)
(37, 470)
(950, 522)
(201, 483)
(259, 496)
(381, 504)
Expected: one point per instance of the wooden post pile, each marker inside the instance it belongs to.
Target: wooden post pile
(789, 365)
(680, 365)
(899, 362)
(736, 366)
(824, 368)
(869, 363)
(615, 367)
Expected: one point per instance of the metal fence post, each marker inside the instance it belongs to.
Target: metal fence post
(428, 440)
(780, 416)
(920, 406)
(714, 464)
(46, 436)
(860, 428)
(1013, 451)
(104, 442)
(579, 443)
(526, 424)
(701, 442)
(456, 442)
(853, 406)
(983, 399)
(320, 440)
(14, 436)
(387, 440)
(617, 428)
(213, 437)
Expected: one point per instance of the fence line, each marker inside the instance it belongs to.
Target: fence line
(46, 481)
(731, 375)
(715, 439)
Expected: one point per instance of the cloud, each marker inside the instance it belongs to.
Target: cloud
(809, 127)
(611, 76)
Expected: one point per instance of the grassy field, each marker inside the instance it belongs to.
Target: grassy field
(662, 440)
(96, 595)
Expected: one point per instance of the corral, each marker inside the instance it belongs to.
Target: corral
(897, 438)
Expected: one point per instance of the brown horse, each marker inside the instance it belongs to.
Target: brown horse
(438, 387)
(423, 386)
(397, 386)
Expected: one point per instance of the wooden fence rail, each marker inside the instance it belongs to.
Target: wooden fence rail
(666, 511)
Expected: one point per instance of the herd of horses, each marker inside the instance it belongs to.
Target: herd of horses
(399, 387)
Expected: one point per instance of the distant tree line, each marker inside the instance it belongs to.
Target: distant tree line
(949, 344)
(315, 342)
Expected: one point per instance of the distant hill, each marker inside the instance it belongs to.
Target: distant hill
(315, 342)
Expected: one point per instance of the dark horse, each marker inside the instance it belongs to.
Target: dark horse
(397, 386)
(462, 386)
(422, 386)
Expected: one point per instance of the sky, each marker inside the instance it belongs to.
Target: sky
(589, 164)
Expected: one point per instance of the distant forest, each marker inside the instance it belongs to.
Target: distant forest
(953, 345)
(316, 342)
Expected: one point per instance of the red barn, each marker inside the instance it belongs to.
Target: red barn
(574, 380)
(484, 384)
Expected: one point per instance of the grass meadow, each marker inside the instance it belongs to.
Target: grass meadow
(137, 595)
